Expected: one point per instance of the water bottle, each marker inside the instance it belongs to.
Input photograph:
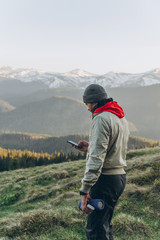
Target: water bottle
(93, 204)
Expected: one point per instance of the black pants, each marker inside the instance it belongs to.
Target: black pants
(99, 223)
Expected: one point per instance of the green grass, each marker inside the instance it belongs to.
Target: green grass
(38, 203)
(143, 152)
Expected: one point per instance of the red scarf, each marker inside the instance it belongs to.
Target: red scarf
(112, 107)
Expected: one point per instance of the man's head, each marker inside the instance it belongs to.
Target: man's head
(93, 94)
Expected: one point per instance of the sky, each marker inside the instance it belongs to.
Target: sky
(95, 35)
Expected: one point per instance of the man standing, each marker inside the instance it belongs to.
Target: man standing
(104, 176)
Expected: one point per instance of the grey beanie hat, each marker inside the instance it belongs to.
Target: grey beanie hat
(94, 93)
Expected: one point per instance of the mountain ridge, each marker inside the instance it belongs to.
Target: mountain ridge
(81, 78)
(5, 106)
(50, 116)
(56, 116)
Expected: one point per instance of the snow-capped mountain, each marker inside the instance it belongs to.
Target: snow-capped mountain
(81, 79)
(79, 73)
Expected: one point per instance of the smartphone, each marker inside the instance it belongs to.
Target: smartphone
(74, 144)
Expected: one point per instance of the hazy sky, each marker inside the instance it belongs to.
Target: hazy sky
(95, 35)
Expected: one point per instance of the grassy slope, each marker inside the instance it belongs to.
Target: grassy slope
(37, 204)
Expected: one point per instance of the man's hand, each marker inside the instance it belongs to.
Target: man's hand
(84, 146)
(84, 203)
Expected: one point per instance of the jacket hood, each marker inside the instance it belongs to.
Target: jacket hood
(112, 107)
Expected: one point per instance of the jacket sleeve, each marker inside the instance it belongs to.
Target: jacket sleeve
(98, 144)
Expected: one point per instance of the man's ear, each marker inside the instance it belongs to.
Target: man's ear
(94, 106)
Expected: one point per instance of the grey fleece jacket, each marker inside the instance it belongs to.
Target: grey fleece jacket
(107, 148)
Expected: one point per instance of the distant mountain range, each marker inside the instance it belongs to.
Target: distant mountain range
(29, 104)
(80, 78)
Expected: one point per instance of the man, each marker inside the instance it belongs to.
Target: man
(104, 176)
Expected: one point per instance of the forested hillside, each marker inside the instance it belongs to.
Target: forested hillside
(45, 143)
(11, 159)
(16, 159)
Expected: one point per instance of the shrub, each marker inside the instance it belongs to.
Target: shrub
(44, 179)
(144, 178)
(61, 174)
(34, 223)
(127, 225)
(156, 169)
(9, 199)
(135, 191)
(156, 186)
